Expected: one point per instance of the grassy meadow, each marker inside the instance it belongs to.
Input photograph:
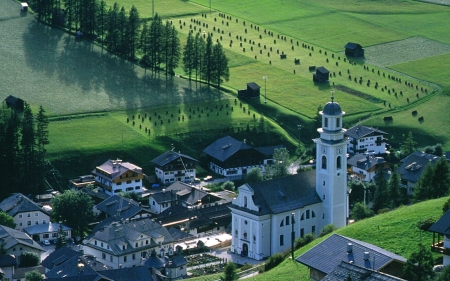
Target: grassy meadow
(395, 231)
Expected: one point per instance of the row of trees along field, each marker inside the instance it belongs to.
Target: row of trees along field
(154, 45)
(22, 151)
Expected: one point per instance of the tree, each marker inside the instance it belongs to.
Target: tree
(219, 65)
(155, 37)
(102, 21)
(33, 276)
(7, 220)
(229, 273)
(360, 212)
(173, 49)
(419, 266)
(41, 142)
(189, 55)
(395, 192)
(112, 33)
(9, 152)
(199, 47)
(327, 229)
(61, 240)
(75, 209)
(409, 145)
(423, 189)
(27, 259)
(132, 32)
(28, 152)
(441, 178)
(381, 192)
(446, 206)
(281, 163)
(208, 60)
(444, 275)
(254, 175)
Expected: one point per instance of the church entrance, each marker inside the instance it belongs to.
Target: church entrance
(244, 252)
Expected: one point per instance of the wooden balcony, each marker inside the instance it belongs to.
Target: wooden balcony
(439, 248)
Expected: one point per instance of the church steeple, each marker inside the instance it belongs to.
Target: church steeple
(331, 179)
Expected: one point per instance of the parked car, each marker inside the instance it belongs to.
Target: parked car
(46, 242)
(208, 178)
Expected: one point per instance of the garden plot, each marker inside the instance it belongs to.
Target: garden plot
(411, 49)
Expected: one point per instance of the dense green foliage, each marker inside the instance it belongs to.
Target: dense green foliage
(419, 266)
(281, 162)
(360, 212)
(254, 175)
(327, 229)
(434, 181)
(229, 273)
(33, 276)
(64, 206)
(7, 220)
(274, 260)
(27, 259)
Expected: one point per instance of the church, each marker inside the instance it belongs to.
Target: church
(267, 216)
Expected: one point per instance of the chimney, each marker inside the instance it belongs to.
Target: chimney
(366, 256)
(349, 247)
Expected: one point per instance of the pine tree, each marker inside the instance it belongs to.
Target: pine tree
(144, 45)
(189, 55)
(41, 142)
(155, 37)
(441, 178)
(9, 156)
(409, 145)
(122, 40)
(174, 51)
(423, 189)
(199, 46)
(220, 65)
(381, 192)
(102, 21)
(394, 190)
(132, 32)
(112, 34)
(419, 266)
(28, 153)
(208, 60)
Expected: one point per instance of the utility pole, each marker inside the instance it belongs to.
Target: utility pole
(265, 89)
(292, 234)
(299, 127)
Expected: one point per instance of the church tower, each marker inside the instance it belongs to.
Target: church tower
(331, 166)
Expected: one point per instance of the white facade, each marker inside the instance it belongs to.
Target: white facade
(446, 261)
(236, 171)
(167, 177)
(27, 219)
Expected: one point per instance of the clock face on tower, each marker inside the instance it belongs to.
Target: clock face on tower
(339, 150)
(324, 149)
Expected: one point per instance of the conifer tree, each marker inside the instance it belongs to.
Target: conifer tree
(189, 55)
(220, 65)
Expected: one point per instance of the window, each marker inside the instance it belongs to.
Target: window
(124, 258)
(153, 203)
(313, 229)
(117, 190)
(302, 218)
(128, 182)
(20, 216)
(324, 162)
(29, 215)
(338, 162)
(36, 214)
(28, 222)
(44, 221)
(281, 240)
(133, 256)
(36, 222)
(282, 223)
(287, 220)
(123, 247)
(307, 214)
(313, 215)
(136, 245)
(325, 122)
(20, 224)
(302, 232)
(245, 201)
(146, 242)
(338, 122)
(111, 258)
(101, 244)
(119, 183)
(136, 180)
(137, 188)
(95, 242)
(46, 235)
(129, 189)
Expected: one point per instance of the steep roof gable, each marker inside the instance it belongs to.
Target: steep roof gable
(224, 148)
(169, 157)
(18, 203)
(115, 168)
(414, 164)
(13, 237)
(442, 226)
(118, 205)
(359, 131)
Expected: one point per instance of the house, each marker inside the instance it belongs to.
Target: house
(77, 266)
(173, 166)
(349, 271)
(229, 157)
(322, 75)
(365, 167)
(15, 242)
(58, 257)
(412, 167)
(323, 258)
(48, 231)
(24, 211)
(120, 207)
(123, 244)
(265, 215)
(81, 182)
(363, 139)
(176, 267)
(441, 243)
(14, 102)
(8, 264)
(183, 194)
(115, 176)
(252, 91)
(19, 273)
(354, 50)
(197, 221)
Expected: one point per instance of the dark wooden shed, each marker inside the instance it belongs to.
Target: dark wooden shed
(15, 103)
(354, 50)
(322, 75)
(252, 91)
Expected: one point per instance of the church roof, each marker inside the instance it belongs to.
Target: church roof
(284, 194)
(332, 108)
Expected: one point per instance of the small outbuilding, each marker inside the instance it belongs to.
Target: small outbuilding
(252, 91)
(322, 75)
(24, 6)
(354, 50)
(14, 103)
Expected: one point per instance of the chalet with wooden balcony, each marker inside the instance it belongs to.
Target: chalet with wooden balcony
(441, 237)
(365, 167)
(364, 139)
(173, 166)
(412, 167)
(115, 176)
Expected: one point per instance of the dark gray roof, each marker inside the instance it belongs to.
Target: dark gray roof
(186, 193)
(253, 86)
(414, 164)
(284, 194)
(137, 273)
(59, 256)
(70, 268)
(18, 203)
(117, 234)
(358, 131)
(365, 162)
(357, 273)
(328, 254)
(176, 261)
(170, 156)
(12, 237)
(19, 272)
(332, 108)
(224, 148)
(352, 46)
(178, 234)
(153, 261)
(442, 226)
(322, 70)
(268, 150)
(119, 206)
(45, 227)
(7, 260)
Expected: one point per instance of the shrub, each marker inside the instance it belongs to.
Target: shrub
(245, 267)
(302, 241)
(425, 224)
(273, 261)
(327, 229)
(27, 259)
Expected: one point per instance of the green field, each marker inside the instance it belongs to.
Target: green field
(395, 231)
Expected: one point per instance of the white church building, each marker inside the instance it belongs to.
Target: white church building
(266, 215)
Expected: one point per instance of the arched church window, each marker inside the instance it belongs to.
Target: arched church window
(324, 162)
(325, 123)
(307, 214)
(245, 201)
(338, 122)
(338, 162)
(282, 223)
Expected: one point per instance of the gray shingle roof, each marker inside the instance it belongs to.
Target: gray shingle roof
(59, 256)
(268, 150)
(119, 206)
(442, 226)
(332, 251)
(14, 237)
(352, 46)
(284, 194)
(70, 268)
(177, 261)
(365, 162)
(170, 156)
(45, 227)
(358, 131)
(137, 273)
(18, 203)
(357, 273)
(414, 164)
(224, 148)
(7, 260)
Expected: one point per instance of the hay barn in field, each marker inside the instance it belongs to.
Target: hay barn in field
(354, 50)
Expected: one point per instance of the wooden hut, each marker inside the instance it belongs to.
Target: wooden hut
(322, 75)
(252, 91)
(354, 50)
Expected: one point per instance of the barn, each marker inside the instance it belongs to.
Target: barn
(354, 50)
(322, 75)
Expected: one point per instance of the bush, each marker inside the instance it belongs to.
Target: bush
(273, 261)
(327, 229)
(302, 241)
(360, 212)
(425, 224)
(245, 267)
(27, 259)
(228, 185)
